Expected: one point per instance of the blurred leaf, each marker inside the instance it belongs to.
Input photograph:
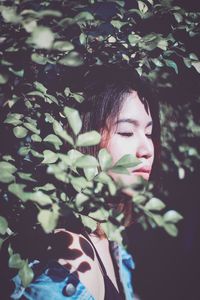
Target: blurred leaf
(36, 138)
(62, 133)
(154, 204)
(13, 119)
(18, 190)
(178, 17)
(89, 223)
(127, 161)
(172, 216)
(86, 161)
(120, 170)
(84, 16)
(7, 167)
(20, 131)
(133, 39)
(73, 59)
(3, 78)
(3, 225)
(196, 65)
(15, 261)
(63, 46)
(48, 219)
(74, 119)
(32, 128)
(170, 63)
(142, 7)
(100, 214)
(90, 138)
(40, 198)
(40, 87)
(90, 173)
(39, 59)
(105, 159)
(26, 176)
(171, 229)
(26, 274)
(42, 37)
(50, 157)
(53, 139)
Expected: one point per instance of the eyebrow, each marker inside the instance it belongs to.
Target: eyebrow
(134, 122)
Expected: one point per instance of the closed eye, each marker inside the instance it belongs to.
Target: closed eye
(149, 136)
(125, 134)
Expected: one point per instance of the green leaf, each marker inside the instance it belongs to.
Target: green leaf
(86, 161)
(162, 44)
(50, 157)
(105, 159)
(73, 59)
(63, 46)
(8, 158)
(20, 131)
(127, 161)
(142, 7)
(23, 151)
(18, 190)
(79, 98)
(58, 129)
(80, 183)
(53, 139)
(42, 37)
(196, 65)
(48, 219)
(80, 200)
(170, 63)
(101, 214)
(193, 56)
(39, 59)
(6, 177)
(89, 223)
(3, 78)
(157, 62)
(154, 204)
(40, 87)
(178, 17)
(26, 176)
(36, 138)
(120, 170)
(40, 198)
(172, 216)
(36, 154)
(32, 128)
(3, 225)
(47, 187)
(7, 167)
(90, 138)
(74, 119)
(13, 119)
(84, 16)
(133, 39)
(171, 229)
(90, 173)
(26, 274)
(15, 261)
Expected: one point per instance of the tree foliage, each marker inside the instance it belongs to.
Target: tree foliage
(41, 181)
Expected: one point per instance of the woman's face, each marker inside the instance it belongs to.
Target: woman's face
(131, 134)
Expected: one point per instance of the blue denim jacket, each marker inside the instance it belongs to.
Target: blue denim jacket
(57, 283)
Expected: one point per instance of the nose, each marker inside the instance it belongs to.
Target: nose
(145, 147)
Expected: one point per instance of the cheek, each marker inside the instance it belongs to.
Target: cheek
(117, 148)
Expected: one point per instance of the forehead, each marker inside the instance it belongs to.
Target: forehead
(134, 108)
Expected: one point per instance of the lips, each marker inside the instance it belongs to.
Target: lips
(142, 170)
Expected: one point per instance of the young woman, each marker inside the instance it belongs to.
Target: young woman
(87, 266)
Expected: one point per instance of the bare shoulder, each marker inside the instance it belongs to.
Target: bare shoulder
(77, 254)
